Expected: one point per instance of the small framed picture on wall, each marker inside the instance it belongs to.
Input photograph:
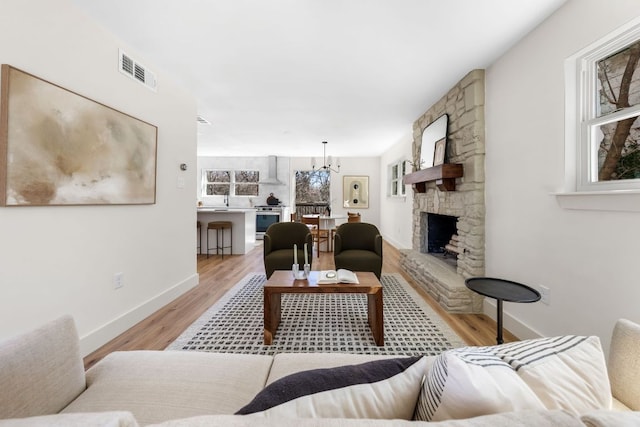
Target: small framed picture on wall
(439, 151)
(356, 192)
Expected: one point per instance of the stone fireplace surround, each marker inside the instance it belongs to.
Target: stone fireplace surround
(464, 104)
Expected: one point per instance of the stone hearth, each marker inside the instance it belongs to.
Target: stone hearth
(464, 104)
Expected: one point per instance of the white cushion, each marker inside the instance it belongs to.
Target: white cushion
(604, 418)
(469, 382)
(379, 389)
(161, 385)
(567, 372)
(91, 419)
(507, 419)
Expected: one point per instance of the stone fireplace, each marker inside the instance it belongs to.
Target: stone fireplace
(438, 215)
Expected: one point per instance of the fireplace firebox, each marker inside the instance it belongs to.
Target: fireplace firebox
(438, 231)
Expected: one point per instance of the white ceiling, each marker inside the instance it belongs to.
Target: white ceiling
(280, 76)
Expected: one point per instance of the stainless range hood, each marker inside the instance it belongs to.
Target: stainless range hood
(272, 172)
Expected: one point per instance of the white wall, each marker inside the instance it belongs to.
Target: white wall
(56, 260)
(396, 212)
(588, 259)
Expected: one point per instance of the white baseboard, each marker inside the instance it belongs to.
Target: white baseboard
(392, 242)
(102, 335)
(512, 324)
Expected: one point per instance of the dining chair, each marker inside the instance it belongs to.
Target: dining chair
(319, 234)
(354, 217)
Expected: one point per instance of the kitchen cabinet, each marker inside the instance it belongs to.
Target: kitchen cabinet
(244, 227)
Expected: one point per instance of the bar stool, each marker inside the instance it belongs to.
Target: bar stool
(199, 240)
(219, 227)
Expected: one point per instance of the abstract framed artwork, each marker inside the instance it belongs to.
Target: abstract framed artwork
(61, 148)
(355, 190)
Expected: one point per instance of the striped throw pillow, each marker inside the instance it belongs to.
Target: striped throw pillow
(567, 372)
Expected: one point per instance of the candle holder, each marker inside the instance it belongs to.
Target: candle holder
(307, 270)
(297, 274)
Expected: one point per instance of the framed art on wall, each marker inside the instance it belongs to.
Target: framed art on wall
(355, 190)
(61, 148)
(439, 152)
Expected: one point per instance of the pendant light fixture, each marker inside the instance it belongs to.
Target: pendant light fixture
(326, 161)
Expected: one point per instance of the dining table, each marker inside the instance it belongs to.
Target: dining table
(328, 222)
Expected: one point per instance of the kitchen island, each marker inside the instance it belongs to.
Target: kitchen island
(244, 227)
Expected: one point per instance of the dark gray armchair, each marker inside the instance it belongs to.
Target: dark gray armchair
(278, 246)
(358, 247)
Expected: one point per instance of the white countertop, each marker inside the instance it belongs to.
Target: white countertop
(224, 209)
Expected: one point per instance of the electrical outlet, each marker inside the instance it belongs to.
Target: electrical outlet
(118, 280)
(180, 182)
(545, 295)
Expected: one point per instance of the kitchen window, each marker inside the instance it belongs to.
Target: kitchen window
(246, 183)
(226, 182)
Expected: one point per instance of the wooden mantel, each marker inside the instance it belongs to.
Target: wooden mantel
(444, 176)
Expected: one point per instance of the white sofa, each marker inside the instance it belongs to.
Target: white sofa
(43, 382)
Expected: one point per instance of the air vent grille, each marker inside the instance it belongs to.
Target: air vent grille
(136, 71)
(127, 64)
(139, 73)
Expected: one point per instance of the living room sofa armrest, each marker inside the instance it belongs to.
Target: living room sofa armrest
(337, 244)
(266, 244)
(624, 363)
(604, 418)
(41, 371)
(378, 245)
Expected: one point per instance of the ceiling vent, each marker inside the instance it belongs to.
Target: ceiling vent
(136, 71)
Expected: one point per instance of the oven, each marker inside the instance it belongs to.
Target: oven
(265, 216)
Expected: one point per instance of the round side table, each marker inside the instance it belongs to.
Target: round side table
(502, 290)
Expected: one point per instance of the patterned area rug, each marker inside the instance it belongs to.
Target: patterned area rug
(335, 323)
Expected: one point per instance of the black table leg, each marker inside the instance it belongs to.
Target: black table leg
(499, 337)
(502, 290)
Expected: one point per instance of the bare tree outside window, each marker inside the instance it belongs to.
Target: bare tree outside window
(225, 183)
(246, 183)
(313, 191)
(619, 89)
(218, 183)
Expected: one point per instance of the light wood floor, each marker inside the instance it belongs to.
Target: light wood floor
(218, 275)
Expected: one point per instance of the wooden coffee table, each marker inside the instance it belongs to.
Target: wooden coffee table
(282, 282)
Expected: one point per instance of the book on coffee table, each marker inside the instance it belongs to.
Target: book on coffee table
(339, 276)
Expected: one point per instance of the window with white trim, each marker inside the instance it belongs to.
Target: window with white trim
(606, 113)
(396, 172)
(226, 182)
